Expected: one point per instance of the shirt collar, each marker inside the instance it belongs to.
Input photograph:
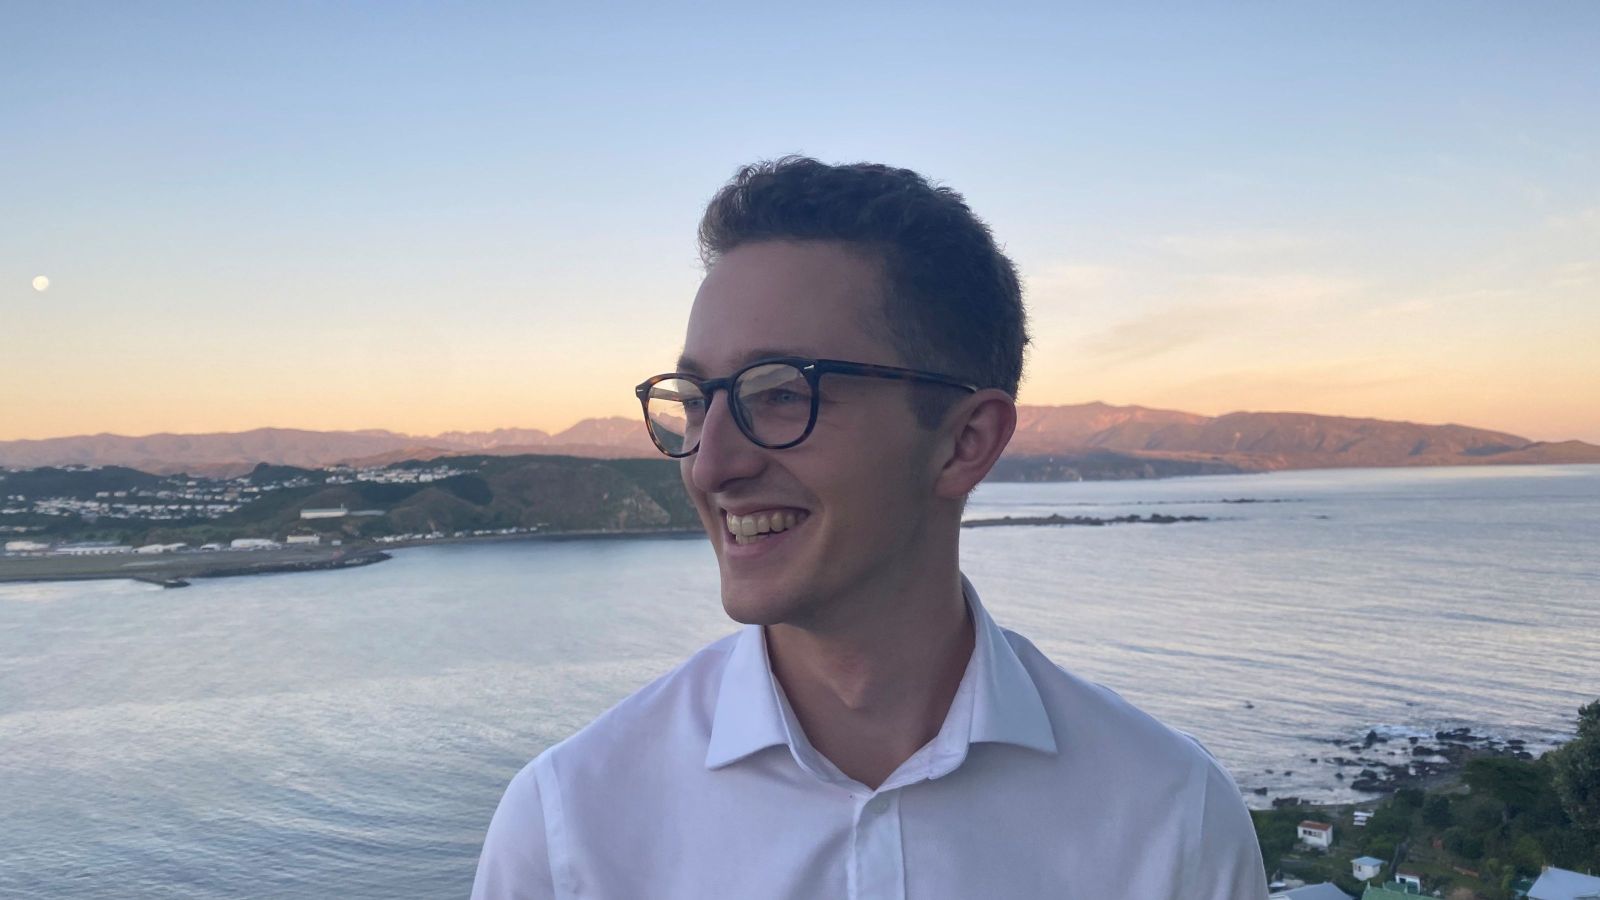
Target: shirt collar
(1006, 707)
(747, 718)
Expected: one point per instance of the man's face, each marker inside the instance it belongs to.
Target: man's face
(858, 487)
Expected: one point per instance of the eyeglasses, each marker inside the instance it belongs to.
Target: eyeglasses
(773, 401)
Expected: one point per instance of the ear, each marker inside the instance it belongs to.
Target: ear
(977, 430)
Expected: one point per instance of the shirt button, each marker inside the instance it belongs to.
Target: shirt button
(878, 805)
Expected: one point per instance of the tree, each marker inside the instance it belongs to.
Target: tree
(1463, 842)
(1577, 771)
(1388, 821)
(1275, 831)
(1527, 855)
(1514, 782)
(1436, 811)
(1409, 799)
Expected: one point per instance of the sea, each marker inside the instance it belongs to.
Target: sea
(348, 733)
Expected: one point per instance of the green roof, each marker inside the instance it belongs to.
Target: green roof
(1392, 889)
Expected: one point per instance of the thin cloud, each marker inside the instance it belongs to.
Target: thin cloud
(1402, 309)
(1577, 274)
(1292, 291)
(1159, 332)
(1217, 304)
(1069, 280)
(1235, 244)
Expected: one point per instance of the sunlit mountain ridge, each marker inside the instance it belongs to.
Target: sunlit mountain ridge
(1089, 440)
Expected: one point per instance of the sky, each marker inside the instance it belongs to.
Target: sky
(428, 217)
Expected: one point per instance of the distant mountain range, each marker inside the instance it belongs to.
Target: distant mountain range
(1090, 440)
(1096, 440)
(235, 453)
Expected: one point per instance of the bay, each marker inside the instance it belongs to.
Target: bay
(348, 733)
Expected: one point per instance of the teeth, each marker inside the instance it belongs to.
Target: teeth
(746, 528)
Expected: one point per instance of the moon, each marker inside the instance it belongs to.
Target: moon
(41, 283)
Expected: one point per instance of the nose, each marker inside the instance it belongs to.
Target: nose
(725, 454)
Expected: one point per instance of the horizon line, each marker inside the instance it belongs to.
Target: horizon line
(577, 422)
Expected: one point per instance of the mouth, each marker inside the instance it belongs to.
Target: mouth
(759, 526)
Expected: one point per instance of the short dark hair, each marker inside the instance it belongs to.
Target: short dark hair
(952, 300)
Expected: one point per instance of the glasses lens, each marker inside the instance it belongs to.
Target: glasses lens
(774, 400)
(675, 409)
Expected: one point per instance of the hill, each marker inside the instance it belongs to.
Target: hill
(488, 493)
(1172, 442)
(1089, 440)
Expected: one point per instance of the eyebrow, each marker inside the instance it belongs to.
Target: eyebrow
(689, 366)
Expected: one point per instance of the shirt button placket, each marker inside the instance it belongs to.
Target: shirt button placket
(879, 864)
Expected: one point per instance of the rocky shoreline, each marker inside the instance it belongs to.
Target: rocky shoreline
(175, 569)
(1427, 763)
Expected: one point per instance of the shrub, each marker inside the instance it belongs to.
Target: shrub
(1436, 811)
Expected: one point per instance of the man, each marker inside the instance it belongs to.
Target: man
(848, 377)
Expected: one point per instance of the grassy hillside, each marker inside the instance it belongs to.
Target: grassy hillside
(1506, 820)
(550, 493)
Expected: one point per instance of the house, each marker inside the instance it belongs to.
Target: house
(253, 544)
(1316, 834)
(304, 539)
(1365, 868)
(26, 547)
(92, 548)
(1324, 891)
(338, 512)
(159, 548)
(1411, 878)
(1562, 884)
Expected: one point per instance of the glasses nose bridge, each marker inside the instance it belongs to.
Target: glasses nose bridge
(710, 386)
(709, 389)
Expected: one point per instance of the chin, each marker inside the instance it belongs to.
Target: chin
(752, 608)
(757, 604)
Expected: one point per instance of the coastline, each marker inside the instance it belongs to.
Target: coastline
(1413, 761)
(175, 568)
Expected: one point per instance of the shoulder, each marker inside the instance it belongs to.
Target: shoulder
(664, 721)
(1151, 772)
(515, 862)
(1091, 718)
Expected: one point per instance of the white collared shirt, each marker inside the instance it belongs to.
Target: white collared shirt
(1038, 784)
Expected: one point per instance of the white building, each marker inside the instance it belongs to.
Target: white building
(1401, 876)
(1365, 868)
(253, 544)
(1316, 834)
(303, 539)
(26, 547)
(159, 548)
(92, 549)
(337, 512)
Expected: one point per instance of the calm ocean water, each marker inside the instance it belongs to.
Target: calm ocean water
(347, 734)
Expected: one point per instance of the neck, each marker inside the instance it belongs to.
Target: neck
(873, 686)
